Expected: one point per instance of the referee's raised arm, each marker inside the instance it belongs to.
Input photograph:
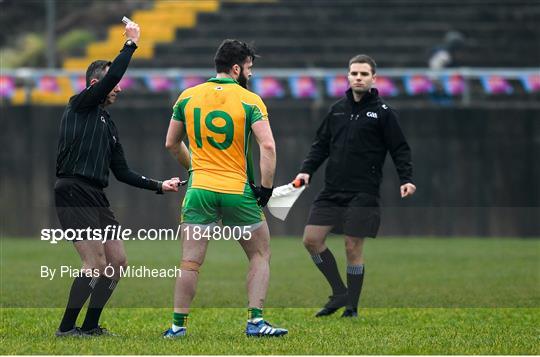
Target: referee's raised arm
(98, 89)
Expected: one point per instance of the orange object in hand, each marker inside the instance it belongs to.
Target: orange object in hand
(298, 183)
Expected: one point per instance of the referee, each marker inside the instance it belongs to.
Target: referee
(88, 146)
(355, 136)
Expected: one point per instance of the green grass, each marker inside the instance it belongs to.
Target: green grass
(219, 331)
(421, 296)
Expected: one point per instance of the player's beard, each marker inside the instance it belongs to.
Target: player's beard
(242, 80)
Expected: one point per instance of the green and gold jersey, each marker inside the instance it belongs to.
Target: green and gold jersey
(218, 115)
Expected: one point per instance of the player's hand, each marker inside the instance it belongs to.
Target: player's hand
(133, 32)
(407, 189)
(170, 185)
(262, 194)
(303, 176)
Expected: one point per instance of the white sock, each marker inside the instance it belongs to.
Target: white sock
(176, 328)
(256, 320)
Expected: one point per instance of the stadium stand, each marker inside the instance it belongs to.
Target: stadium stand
(159, 24)
(396, 33)
(499, 33)
(28, 16)
(183, 35)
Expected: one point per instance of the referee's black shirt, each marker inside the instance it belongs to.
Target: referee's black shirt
(89, 143)
(355, 137)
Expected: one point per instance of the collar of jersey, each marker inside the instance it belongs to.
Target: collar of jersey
(223, 80)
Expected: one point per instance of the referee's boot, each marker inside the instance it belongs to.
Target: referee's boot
(74, 332)
(97, 331)
(350, 312)
(335, 302)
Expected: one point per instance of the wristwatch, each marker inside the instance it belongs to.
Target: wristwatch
(130, 43)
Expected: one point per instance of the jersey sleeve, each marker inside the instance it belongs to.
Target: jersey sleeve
(179, 107)
(256, 110)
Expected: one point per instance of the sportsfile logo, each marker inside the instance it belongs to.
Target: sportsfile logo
(372, 115)
(113, 232)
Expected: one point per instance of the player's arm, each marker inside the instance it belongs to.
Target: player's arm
(175, 145)
(319, 151)
(263, 133)
(400, 152)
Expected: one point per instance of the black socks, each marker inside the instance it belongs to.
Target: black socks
(355, 279)
(326, 263)
(102, 292)
(80, 291)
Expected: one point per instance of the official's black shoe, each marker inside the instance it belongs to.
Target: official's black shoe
(350, 312)
(334, 303)
(97, 331)
(74, 332)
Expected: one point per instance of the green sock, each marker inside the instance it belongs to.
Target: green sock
(255, 313)
(179, 319)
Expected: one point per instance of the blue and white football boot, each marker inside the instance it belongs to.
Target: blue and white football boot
(171, 334)
(261, 328)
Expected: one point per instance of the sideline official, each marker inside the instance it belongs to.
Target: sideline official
(355, 136)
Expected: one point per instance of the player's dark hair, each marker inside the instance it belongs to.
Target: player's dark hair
(232, 52)
(364, 59)
(97, 70)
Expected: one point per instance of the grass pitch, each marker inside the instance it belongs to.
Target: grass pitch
(421, 296)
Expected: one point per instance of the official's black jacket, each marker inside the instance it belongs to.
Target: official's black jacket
(355, 137)
(89, 143)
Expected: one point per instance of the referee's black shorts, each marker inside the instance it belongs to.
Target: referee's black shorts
(355, 214)
(81, 205)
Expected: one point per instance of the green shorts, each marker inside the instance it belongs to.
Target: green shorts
(202, 206)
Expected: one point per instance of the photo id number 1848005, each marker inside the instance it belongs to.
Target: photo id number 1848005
(215, 232)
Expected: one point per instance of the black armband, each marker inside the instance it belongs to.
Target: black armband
(159, 190)
(130, 43)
